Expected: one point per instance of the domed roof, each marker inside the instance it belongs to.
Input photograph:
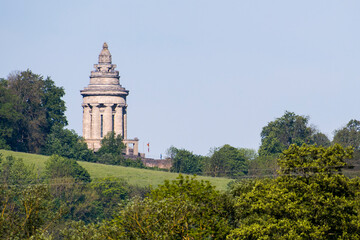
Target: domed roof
(105, 56)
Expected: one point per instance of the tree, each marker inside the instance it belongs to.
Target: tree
(112, 192)
(112, 152)
(309, 200)
(182, 209)
(289, 129)
(321, 139)
(227, 161)
(184, 161)
(60, 167)
(9, 117)
(25, 205)
(112, 144)
(248, 153)
(263, 166)
(38, 106)
(27, 86)
(54, 106)
(14, 172)
(67, 143)
(349, 135)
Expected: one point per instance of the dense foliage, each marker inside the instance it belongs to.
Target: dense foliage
(184, 161)
(349, 135)
(60, 167)
(25, 206)
(112, 144)
(67, 143)
(112, 152)
(309, 200)
(29, 107)
(182, 209)
(227, 161)
(33, 206)
(289, 129)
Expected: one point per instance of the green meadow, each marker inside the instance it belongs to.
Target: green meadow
(135, 176)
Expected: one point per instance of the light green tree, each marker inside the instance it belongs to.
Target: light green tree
(182, 209)
(310, 199)
(26, 206)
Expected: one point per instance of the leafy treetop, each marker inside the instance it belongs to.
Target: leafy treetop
(289, 129)
(313, 159)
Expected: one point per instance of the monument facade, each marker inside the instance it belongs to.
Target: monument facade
(104, 105)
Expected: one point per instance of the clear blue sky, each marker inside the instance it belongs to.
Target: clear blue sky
(201, 73)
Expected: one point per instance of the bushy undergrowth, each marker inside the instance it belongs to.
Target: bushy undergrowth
(309, 199)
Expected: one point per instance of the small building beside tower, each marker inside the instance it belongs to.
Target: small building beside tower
(104, 105)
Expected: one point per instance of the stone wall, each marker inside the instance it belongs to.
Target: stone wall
(150, 162)
(160, 163)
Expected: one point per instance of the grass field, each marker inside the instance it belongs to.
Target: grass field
(135, 176)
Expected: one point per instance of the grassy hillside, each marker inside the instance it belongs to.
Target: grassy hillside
(136, 176)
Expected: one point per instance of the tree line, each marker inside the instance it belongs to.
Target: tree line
(276, 136)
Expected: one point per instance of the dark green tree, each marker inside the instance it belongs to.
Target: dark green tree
(9, 117)
(349, 135)
(54, 105)
(112, 144)
(111, 192)
(38, 103)
(67, 143)
(227, 161)
(112, 152)
(60, 167)
(289, 129)
(28, 87)
(184, 161)
(320, 139)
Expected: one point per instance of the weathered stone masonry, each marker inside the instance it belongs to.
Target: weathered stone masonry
(104, 105)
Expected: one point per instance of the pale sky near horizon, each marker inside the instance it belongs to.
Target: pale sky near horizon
(201, 73)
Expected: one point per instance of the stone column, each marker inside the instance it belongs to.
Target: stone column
(136, 148)
(125, 123)
(95, 129)
(127, 148)
(118, 121)
(107, 118)
(86, 121)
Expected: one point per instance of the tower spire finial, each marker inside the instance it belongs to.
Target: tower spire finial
(105, 56)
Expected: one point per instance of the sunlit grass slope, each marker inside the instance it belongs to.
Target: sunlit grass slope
(136, 176)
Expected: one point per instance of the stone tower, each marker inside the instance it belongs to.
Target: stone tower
(104, 105)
